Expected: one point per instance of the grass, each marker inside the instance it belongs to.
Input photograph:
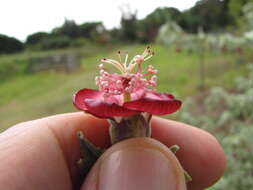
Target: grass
(30, 96)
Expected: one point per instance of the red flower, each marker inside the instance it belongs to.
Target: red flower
(93, 102)
(129, 93)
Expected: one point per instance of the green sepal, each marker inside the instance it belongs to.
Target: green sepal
(187, 177)
(89, 155)
(174, 149)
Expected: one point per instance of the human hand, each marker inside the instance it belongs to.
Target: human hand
(42, 154)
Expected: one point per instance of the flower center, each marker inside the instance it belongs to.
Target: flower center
(130, 80)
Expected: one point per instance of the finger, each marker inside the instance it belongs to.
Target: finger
(200, 154)
(136, 164)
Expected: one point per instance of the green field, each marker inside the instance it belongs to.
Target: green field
(30, 96)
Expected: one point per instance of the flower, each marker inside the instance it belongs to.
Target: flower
(130, 92)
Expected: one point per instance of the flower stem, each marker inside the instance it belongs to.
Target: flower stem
(129, 127)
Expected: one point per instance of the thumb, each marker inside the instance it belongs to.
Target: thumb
(136, 164)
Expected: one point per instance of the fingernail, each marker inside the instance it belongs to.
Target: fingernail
(137, 169)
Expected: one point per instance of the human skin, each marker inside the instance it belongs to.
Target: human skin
(42, 154)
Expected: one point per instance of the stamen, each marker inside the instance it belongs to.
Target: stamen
(114, 63)
(147, 58)
(145, 53)
(101, 72)
(125, 63)
(97, 80)
(101, 66)
(130, 67)
(119, 56)
(131, 62)
(138, 59)
(154, 77)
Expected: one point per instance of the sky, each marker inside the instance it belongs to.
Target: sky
(19, 18)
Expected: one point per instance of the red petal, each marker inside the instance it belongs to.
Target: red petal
(92, 101)
(155, 103)
(106, 110)
(81, 95)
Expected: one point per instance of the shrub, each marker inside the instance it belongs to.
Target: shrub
(230, 117)
(55, 42)
(36, 38)
(12, 67)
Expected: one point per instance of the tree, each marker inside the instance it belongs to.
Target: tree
(128, 24)
(91, 29)
(10, 45)
(236, 10)
(36, 38)
(248, 16)
(69, 28)
(211, 15)
(149, 26)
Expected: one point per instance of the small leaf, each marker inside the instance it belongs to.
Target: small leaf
(174, 148)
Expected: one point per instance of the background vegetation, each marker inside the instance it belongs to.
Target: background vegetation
(211, 15)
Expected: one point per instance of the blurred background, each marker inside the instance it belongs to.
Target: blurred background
(203, 50)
